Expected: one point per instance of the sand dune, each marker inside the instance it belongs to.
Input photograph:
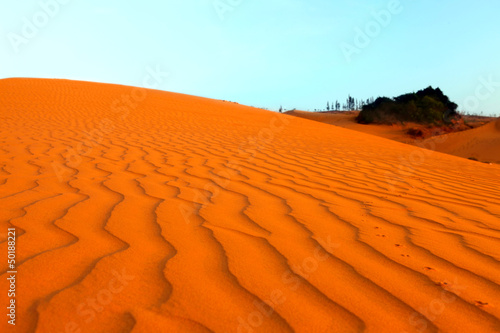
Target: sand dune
(147, 211)
(347, 119)
(481, 143)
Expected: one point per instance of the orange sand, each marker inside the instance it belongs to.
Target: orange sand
(481, 143)
(348, 120)
(183, 214)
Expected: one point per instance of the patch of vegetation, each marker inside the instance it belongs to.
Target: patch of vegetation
(472, 159)
(427, 106)
(415, 132)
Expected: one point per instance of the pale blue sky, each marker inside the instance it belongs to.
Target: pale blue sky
(263, 53)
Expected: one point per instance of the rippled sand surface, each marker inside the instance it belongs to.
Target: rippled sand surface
(147, 211)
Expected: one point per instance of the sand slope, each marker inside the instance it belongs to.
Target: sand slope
(482, 143)
(147, 211)
(347, 119)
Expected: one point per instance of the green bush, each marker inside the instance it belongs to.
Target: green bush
(427, 106)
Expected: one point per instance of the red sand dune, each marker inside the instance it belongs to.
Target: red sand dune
(347, 119)
(148, 211)
(481, 143)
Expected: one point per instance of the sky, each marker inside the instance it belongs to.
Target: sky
(295, 53)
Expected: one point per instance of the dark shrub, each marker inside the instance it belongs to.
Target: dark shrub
(428, 106)
(415, 132)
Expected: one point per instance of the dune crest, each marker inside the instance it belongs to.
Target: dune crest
(147, 211)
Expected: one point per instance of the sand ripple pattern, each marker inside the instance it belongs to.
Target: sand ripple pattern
(148, 211)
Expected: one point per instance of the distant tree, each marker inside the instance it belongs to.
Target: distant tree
(350, 103)
(337, 105)
(327, 106)
(281, 109)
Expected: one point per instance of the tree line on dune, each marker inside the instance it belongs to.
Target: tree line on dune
(427, 106)
(350, 104)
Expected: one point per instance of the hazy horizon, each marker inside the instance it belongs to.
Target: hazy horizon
(292, 53)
